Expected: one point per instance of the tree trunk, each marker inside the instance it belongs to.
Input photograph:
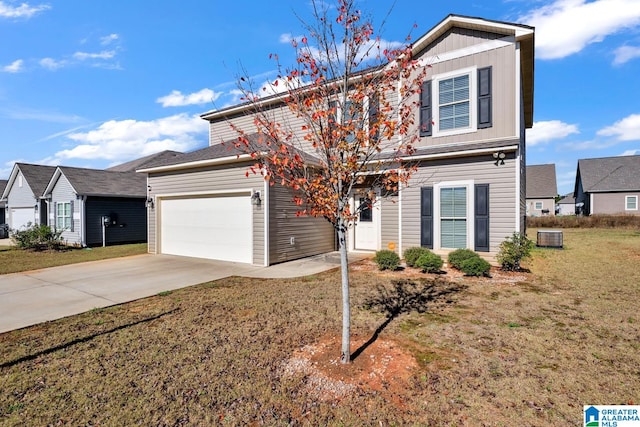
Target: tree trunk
(346, 305)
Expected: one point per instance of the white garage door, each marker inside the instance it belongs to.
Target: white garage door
(207, 227)
(20, 217)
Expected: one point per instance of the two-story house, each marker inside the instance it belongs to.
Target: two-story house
(468, 190)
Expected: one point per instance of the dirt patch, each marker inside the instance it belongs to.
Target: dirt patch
(384, 367)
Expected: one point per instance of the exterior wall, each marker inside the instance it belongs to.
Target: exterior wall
(612, 203)
(130, 215)
(460, 38)
(21, 197)
(566, 209)
(547, 204)
(208, 180)
(480, 169)
(390, 222)
(311, 236)
(63, 192)
(504, 87)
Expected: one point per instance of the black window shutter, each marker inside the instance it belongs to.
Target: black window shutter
(426, 217)
(425, 109)
(482, 217)
(373, 115)
(485, 119)
(71, 213)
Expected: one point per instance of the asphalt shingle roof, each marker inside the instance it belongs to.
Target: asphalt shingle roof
(132, 165)
(96, 182)
(37, 176)
(541, 181)
(620, 173)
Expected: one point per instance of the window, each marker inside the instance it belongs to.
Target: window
(456, 103)
(538, 206)
(63, 216)
(631, 203)
(20, 181)
(366, 213)
(453, 217)
(362, 115)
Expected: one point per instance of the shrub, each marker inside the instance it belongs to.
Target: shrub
(457, 257)
(387, 260)
(411, 255)
(37, 237)
(475, 266)
(430, 262)
(513, 250)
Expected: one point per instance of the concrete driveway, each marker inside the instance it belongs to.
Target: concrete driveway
(37, 296)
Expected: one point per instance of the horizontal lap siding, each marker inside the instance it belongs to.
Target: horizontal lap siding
(209, 180)
(389, 216)
(20, 197)
(482, 170)
(311, 235)
(612, 203)
(61, 193)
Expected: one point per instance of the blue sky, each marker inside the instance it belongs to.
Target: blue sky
(96, 83)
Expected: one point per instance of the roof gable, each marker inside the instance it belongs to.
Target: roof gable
(541, 181)
(132, 165)
(36, 176)
(621, 173)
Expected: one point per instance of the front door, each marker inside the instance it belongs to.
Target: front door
(366, 228)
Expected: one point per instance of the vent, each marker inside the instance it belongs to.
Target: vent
(549, 239)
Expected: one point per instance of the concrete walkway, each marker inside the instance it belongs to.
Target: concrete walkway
(38, 296)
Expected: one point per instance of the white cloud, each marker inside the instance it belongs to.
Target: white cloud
(121, 140)
(545, 131)
(22, 11)
(15, 67)
(565, 27)
(178, 99)
(52, 64)
(627, 129)
(631, 153)
(286, 38)
(625, 54)
(105, 54)
(106, 40)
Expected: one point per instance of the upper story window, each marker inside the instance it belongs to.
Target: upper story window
(457, 102)
(631, 203)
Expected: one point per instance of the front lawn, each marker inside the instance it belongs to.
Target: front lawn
(13, 260)
(516, 349)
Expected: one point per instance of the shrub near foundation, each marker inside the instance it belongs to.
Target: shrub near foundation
(457, 257)
(411, 255)
(475, 266)
(430, 262)
(387, 260)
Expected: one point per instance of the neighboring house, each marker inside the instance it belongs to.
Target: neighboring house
(566, 205)
(79, 199)
(608, 185)
(468, 190)
(132, 165)
(23, 195)
(541, 190)
(3, 204)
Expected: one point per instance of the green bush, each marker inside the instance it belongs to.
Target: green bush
(387, 260)
(457, 257)
(475, 267)
(513, 250)
(37, 237)
(430, 262)
(411, 255)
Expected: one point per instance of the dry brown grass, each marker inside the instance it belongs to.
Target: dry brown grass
(593, 221)
(517, 349)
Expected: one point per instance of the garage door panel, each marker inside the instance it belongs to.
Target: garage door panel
(207, 227)
(20, 217)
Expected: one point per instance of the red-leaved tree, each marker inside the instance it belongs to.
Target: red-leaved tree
(349, 124)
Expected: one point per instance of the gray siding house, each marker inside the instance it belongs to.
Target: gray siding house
(608, 185)
(205, 206)
(80, 198)
(3, 204)
(23, 192)
(542, 190)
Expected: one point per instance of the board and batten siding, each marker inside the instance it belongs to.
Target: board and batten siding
(130, 216)
(503, 63)
(208, 180)
(63, 192)
(311, 236)
(459, 38)
(480, 169)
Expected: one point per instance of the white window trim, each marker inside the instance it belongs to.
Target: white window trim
(535, 206)
(58, 216)
(473, 101)
(626, 203)
(365, 113)
(470, 185)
